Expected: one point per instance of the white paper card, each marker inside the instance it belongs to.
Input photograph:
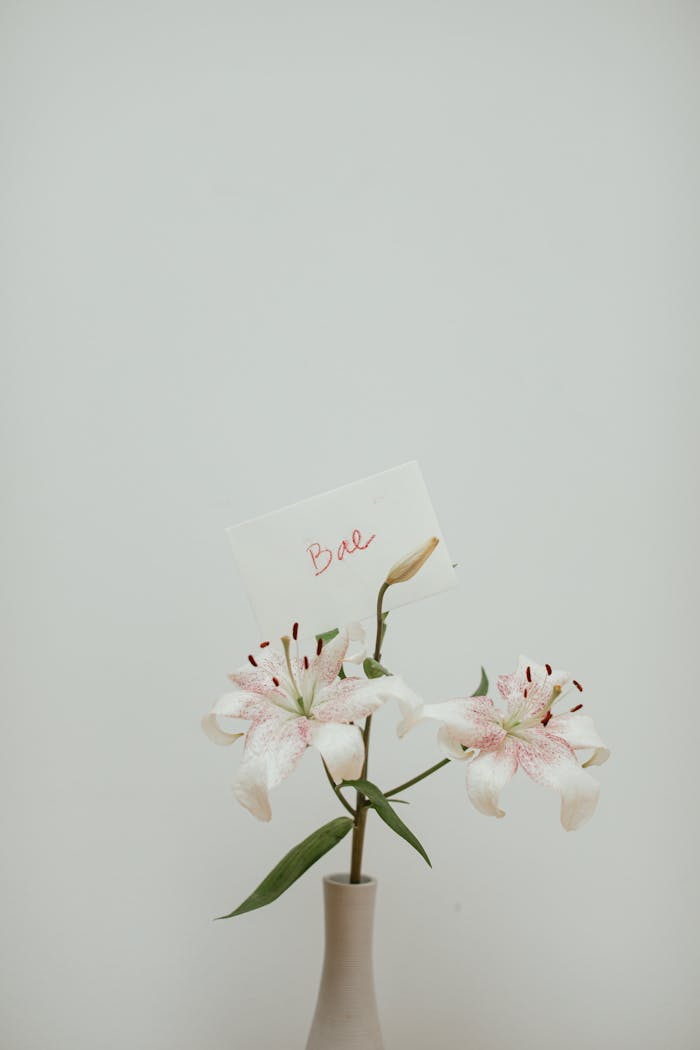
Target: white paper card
(321, 562)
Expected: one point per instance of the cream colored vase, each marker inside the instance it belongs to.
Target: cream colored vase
(346, 1011)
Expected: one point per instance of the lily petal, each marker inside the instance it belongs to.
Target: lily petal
(599, 756)
(550, 761)
(357, 644)
(451, 745)
(324, 667)
(473, 722)
(579, 733)
(410, 704)
(341, 747)
(488, 774)
(349, 700)
(238, 704)
(215, 733)
(272, 750)
(258, 678)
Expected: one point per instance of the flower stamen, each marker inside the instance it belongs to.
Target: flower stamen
(578, 685)
(252, 659)
(577, 707)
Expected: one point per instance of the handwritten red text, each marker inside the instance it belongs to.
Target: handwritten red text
(323, 557)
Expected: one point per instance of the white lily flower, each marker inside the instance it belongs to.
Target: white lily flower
(294, 702)
(527, 734)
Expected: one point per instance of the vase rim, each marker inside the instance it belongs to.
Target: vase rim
(343, 879)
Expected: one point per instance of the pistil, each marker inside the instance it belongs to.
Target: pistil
(286, 641)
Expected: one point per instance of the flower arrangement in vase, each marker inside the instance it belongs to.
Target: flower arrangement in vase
(295, 701)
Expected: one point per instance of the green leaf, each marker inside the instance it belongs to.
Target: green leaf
(327, 636)
(381, 804)
(294, 864)
(483, 687)
(384, 616)
(373, 669)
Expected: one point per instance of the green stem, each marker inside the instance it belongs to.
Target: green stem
(380, 623)
(414, 780)
(337, 791)
(358, 832)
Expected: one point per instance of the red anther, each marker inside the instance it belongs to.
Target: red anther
(524, 694)
(276, 682)
(578, 686)
(319, 646)
(546, 718)
(548, 668)
(528, 674)
(252, 660)
(264, 645)
(295, 631)
(306, 663)
(576, 708)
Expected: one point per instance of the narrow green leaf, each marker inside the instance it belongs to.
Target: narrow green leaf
(381, 804)
(384, 617)
(294, 864)
(483, 687)
(373, 669)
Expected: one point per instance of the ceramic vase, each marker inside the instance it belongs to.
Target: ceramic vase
(346, 1015)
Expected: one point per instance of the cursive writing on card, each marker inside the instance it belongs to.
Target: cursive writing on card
(323, 557)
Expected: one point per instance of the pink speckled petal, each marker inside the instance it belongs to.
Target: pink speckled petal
(488, 774)
(508, 686)
(272, 751)
(239, 704)
(579, 733)
(341, 747)
(350, 700)
(324, 668)
(259, 679)
(473, 722)
(550, 761)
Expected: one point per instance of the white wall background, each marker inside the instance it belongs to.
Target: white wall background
(253, 251)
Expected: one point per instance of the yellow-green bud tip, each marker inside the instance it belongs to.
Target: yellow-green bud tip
(407, 567)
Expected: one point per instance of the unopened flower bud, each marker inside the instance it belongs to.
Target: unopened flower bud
(407, 567)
